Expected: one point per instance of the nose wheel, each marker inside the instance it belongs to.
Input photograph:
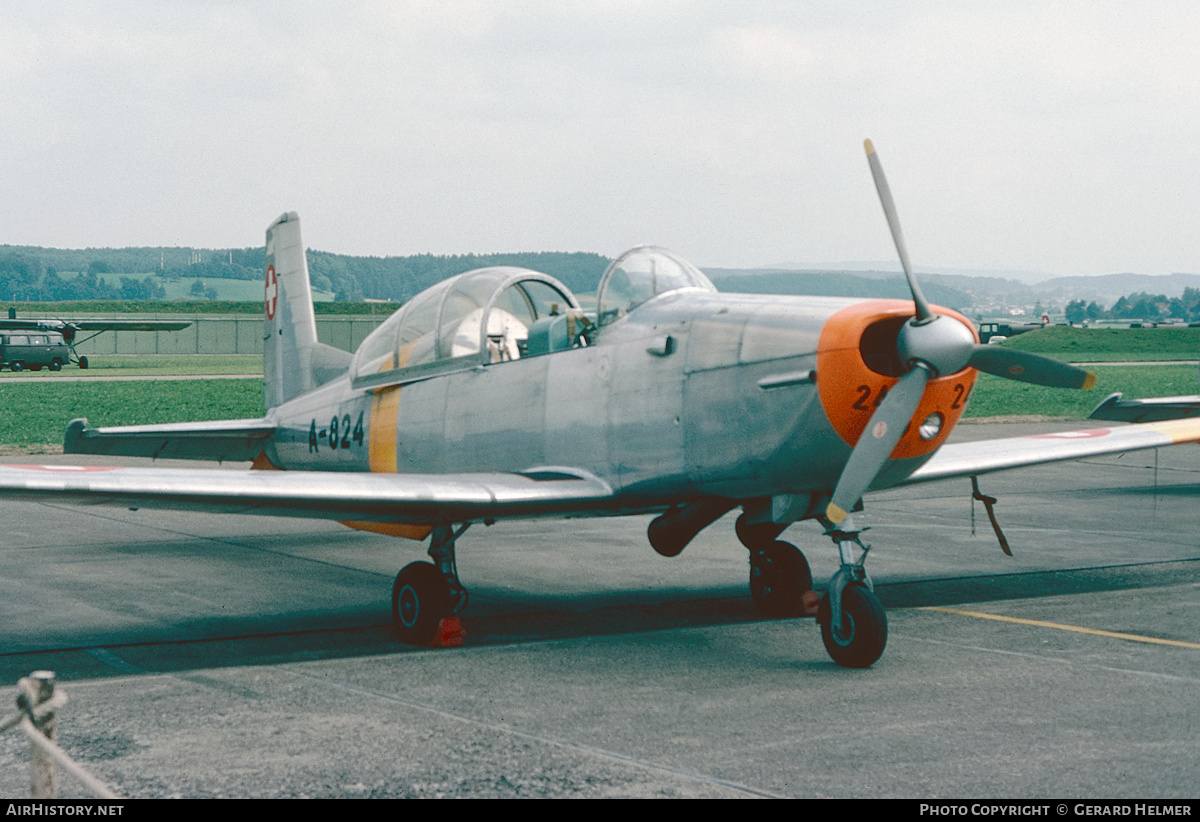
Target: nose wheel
(857, 639)
(853, 622)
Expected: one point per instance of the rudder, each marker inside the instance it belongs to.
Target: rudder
(293, 361)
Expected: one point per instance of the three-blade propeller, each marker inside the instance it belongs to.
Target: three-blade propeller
(930, 345)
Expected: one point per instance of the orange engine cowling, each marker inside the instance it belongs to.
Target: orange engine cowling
(857, 364)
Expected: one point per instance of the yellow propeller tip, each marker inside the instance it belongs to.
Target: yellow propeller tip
(835, 513)
(869, 146)
(1089, 381)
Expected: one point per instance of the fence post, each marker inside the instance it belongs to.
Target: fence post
(37, 688)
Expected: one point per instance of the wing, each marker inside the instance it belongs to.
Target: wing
(97, 325)
(416, 499)
(973, 458)
(131, 325)
(1154, 409)
(221, 441)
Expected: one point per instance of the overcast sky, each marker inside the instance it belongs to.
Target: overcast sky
(1053, 137)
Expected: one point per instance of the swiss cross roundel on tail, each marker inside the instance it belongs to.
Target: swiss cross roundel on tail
(271, 292)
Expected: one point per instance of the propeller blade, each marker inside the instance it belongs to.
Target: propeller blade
(924, 314)
(1014, 364)
(876, 443)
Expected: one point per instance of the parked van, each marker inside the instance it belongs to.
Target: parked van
(34, 350)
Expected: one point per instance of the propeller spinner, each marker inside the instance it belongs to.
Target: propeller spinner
(929, 345)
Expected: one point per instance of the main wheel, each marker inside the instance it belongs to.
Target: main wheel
(779, 578)
(757, 535)
(860, 640)
(83, 363)
(420, 601)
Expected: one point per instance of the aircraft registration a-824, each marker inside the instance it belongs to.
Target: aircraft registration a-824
(495, 395)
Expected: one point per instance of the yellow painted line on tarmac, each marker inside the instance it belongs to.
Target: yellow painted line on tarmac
(1178, 643)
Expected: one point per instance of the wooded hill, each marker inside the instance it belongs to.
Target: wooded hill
(29, 273)
(39, 274)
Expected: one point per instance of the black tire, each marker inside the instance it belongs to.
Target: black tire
(83, 362)
(56, 365)
(16, 366)
(420, 601)
(779, 578)
(866, 628)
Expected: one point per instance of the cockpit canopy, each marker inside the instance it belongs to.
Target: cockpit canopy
(481, 316)
(641, 273)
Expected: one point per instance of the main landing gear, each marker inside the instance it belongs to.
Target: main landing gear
(779, 573)
(427, 593)
(781, 587)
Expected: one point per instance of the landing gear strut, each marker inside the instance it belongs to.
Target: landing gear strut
(426, 593)
(779, 573)
(853, 622)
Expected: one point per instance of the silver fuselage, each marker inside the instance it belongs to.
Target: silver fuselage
(692, 394)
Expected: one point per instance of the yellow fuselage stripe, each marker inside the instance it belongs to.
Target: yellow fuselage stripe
(385, 417)
(1178, 643)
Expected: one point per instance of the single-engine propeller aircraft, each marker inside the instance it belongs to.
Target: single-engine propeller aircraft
(52, 342)
(495, 395)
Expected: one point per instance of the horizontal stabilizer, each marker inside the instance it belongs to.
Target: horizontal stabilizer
(222, 441)
(95, 325)
(1154, 409)
(131, 325)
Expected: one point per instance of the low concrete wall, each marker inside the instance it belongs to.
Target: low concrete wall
(220, 334)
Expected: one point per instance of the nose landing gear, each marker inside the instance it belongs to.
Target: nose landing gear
(853, 622)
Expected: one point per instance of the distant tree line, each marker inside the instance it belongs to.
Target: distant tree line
(25, 278)
(1139, 306)
(32, 273)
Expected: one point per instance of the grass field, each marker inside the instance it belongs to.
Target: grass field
(1106, 344)
(996, 397)
(34, 415)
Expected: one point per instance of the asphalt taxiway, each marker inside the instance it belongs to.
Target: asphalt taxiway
(224, 656)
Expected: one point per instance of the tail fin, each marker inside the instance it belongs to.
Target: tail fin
(293, 360)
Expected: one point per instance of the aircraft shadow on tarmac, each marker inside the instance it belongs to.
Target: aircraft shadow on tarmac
(361, 631)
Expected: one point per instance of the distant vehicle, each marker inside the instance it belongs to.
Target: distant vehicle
(56, 339)
(44, 349)
(989, 330)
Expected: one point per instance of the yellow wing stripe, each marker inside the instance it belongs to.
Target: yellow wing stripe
(1177, 430)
